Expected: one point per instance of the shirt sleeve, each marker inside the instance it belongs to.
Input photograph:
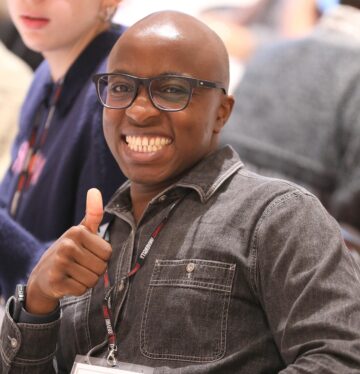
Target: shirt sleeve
(308, 285)
(17, 246)
(17, 349)
(345, 201)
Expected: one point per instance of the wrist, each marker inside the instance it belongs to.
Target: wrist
(38, 303)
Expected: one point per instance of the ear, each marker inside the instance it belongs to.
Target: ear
(224, 111)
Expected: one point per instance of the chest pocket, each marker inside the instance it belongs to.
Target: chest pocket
(186, 310)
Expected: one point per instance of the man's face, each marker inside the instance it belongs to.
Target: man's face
(181, 138)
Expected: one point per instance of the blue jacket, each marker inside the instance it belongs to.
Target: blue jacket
(74, 158)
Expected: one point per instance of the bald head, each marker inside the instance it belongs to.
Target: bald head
(185, 36)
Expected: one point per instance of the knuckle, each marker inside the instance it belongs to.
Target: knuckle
(107, 251)
(67, 245)
(62, 257)
(93, 281)
(62, 262)
(101, 268)
(79, 290)
(76, 232)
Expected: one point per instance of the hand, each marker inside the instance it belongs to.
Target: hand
(73, 264)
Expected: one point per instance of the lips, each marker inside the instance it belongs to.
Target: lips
(34, 22)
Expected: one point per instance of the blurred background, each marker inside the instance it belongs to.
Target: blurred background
(244, 25)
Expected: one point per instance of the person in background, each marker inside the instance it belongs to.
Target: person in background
(244, 28)
(60, 150)
(10, 37)
(205, 267)
(299, 17)
(15, 77)
(297, 112)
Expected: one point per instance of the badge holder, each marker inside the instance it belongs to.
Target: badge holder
(92, 365)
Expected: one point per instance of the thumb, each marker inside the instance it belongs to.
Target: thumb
(94, 210)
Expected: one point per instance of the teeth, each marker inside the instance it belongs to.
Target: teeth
(145, 144)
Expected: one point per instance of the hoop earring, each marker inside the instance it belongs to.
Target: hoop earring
(106, 14)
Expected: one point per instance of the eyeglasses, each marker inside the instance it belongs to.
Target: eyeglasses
(170, 93)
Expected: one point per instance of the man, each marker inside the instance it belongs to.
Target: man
(297, 112)
(210, 268)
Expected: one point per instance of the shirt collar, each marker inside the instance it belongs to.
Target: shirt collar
(84, 66)
(206, 177)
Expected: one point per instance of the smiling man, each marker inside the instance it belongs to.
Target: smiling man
(206, 267)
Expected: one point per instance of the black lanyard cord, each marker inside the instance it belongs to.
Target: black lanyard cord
(36, 141)
(107, 309)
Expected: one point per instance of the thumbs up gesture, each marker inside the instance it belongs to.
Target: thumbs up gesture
(94, 210)
(73, 264)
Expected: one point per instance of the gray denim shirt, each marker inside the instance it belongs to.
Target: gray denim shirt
(249, 275)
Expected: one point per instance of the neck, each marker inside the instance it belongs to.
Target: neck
(141, 197)
(61, 59)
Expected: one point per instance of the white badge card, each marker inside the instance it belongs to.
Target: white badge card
(91, 365)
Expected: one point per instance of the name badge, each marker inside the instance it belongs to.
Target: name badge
(91, 365)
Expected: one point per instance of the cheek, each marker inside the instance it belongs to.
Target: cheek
(109, 129)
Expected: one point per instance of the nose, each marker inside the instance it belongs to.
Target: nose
(142, 110)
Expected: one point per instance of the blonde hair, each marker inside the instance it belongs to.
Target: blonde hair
(3, 9)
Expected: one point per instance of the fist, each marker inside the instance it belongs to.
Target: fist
(73, 264)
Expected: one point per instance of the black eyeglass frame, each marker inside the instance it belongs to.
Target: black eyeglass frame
(146, 82)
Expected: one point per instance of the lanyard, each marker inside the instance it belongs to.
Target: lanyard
(34, 146)
(107, 311)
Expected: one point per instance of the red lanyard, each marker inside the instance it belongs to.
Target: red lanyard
(107, 311)
(34, 147)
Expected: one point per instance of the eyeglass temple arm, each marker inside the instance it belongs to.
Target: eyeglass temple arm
(208, 84)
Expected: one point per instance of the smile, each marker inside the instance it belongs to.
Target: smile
(146, 144)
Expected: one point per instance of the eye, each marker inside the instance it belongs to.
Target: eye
(120, 88)
(172, 89)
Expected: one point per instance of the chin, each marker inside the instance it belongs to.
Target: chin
(33, 45)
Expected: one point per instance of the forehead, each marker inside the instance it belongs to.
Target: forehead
(152, 55)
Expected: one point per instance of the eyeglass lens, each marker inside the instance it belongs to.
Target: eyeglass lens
(168, 93)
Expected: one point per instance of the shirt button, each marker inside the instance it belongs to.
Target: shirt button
(13, 343)
(190, 267)
(162, 198)
(121, 286)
